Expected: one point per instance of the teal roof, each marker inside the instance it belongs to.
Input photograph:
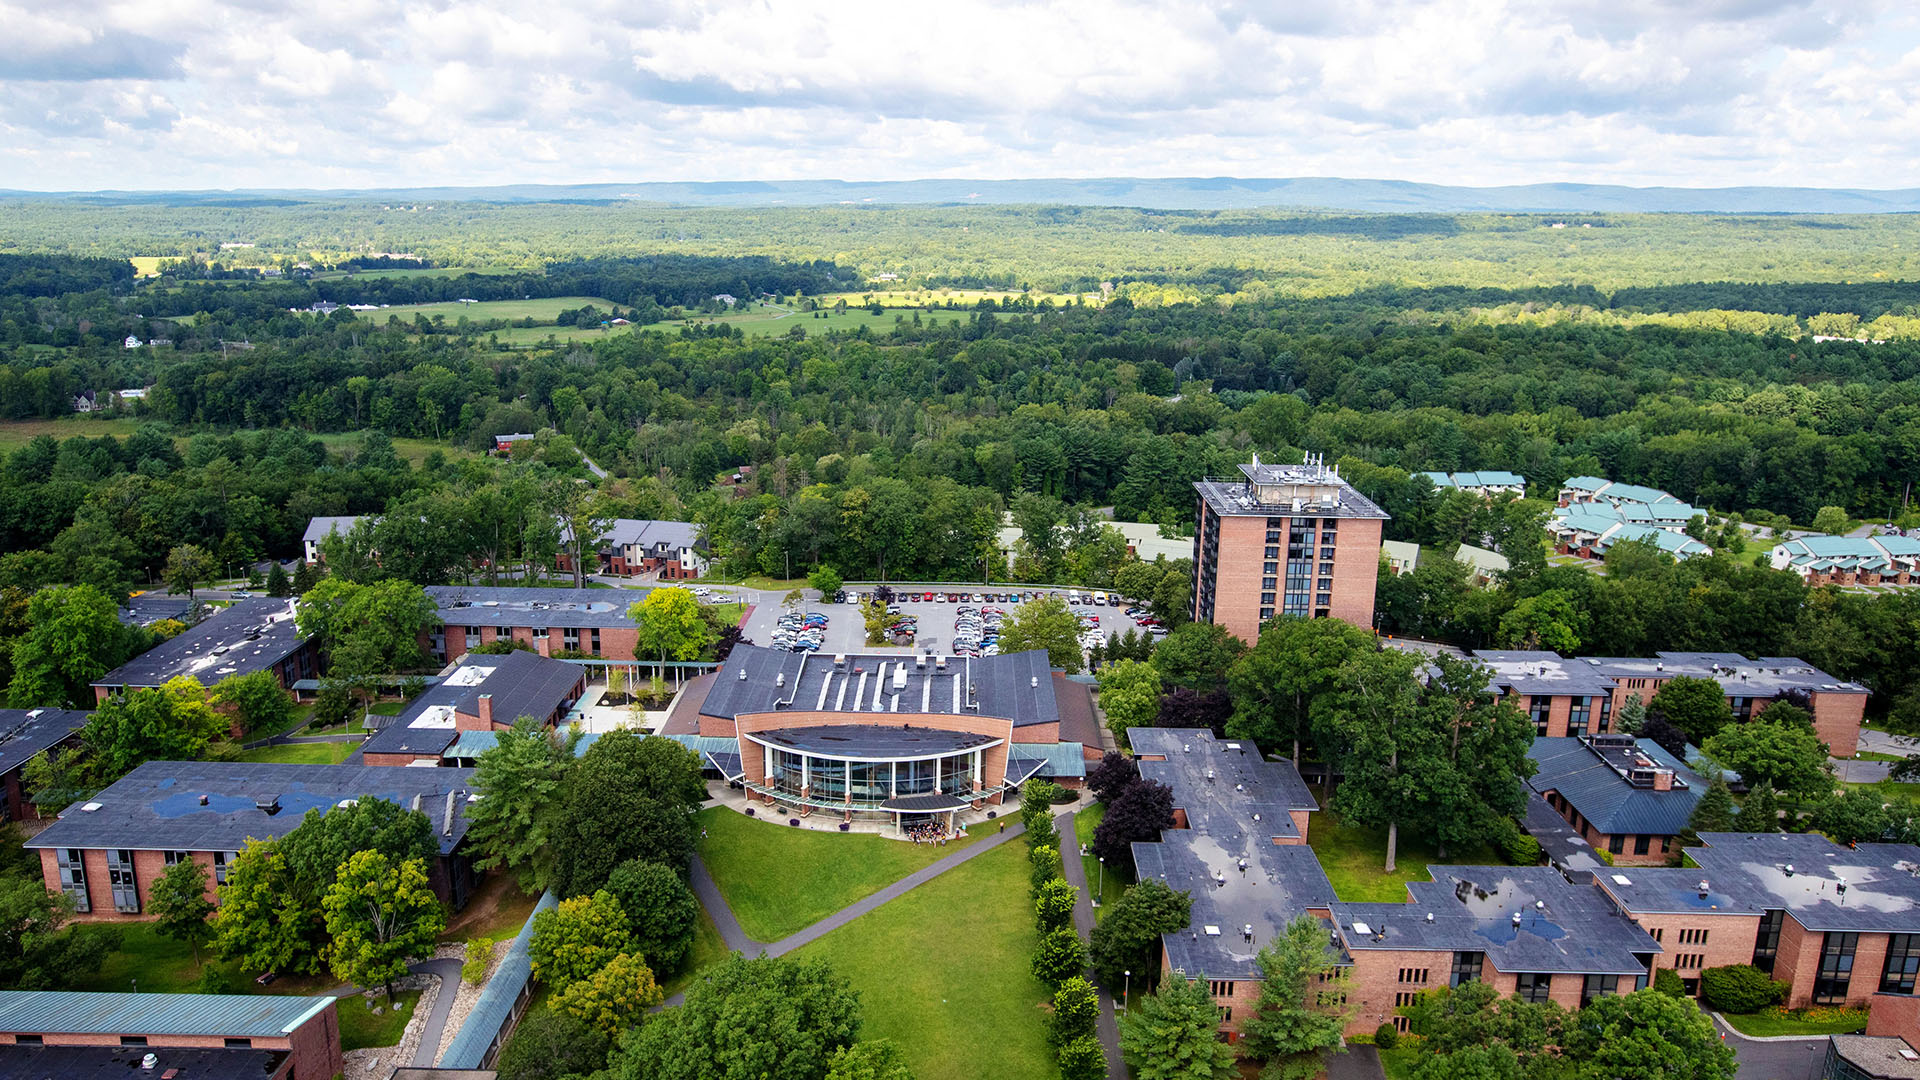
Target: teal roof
(1056, 759)
(237, 1016)
(495, 1004)
(1585, 483)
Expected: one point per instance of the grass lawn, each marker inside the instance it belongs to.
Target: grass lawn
(774, 322)
(707, 951)
(326, 753)
(17, 433)
(1398, 1062)
(414, 451)
(360, 1028)
(1869, 755)
(779, 879)
(540, 309)
(729, 614)
(943, 972)
(1770, 1022)
(1353, 857)
(1084, 823)
(526, 337)
(166, 966)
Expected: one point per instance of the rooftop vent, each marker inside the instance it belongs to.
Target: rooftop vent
(203, 800)
(1247, 931)
(1516, 918)
(1209, 774)
(1539, 905)
(743, 674)
(1362, 929)
(1033, 680)
(91, 807)
(149, 1062)
(1186, 748)
(1243, 864)
(780, 679)
(839, 660)
(1429, 916)
(1211, 930)
(267, 804)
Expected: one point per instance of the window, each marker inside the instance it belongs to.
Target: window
(239, 1044)
(1267, 598)
(1684, 961)
(220, 866)
(1836, 968)
(1466, 968)
(1272, 552)
(1417, 976)
(1640, 844)
(502, 633)
(1405, 998)
(1693, 937)
(73, 877)
(1534, 987)
(1656, 933)
(1577, 713)
(1606, 714)
(27, 1040)
(1266, 613)
(1903, 960)
(1540, 705)
(174, 858)
(1598, 986)
(473, 633)
(126, 894)
(133, 1040)
(1767, 943)
(1617, 843)
(1220, 988)
(1401, 1024)
(1270, 568)
(1269, 583)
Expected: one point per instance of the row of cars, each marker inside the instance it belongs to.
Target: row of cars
(798, 632)
(976, 631)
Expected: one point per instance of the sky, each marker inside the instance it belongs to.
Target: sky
(191, 94)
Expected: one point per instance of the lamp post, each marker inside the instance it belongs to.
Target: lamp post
(1103, 882)
(1126, 989)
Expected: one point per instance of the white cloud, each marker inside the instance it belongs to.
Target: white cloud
(259, 93)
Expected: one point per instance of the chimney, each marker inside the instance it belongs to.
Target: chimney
(486, 711)
(1663, 779)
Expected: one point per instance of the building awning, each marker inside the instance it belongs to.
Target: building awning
(728, 765)
(925, 804)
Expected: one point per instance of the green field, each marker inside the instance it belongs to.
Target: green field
(414, 451)
(944, 973)
(432, 272)
(360, 1028)
(522, 337)
(772, 322)
(325, 753)
(17, 433)
(540, 309)
(1777, 1022)
(778, 879)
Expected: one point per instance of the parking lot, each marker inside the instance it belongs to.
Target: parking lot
(940, 622)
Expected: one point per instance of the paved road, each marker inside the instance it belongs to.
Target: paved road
(1775, 1059)
(736, 939)
(1360, 1062)
(449, 971)
(1880, 742)
(1108, 1027)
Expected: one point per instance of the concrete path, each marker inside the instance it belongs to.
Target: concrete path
(737, 940)
(1881, 742)
(1075, 871)
(449, 971)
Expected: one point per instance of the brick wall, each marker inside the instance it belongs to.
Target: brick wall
(1797, 961)
(1730, 939)
(1356, 571)
(1836, 719)
(1895, 1015)
(316, 1047)
(1237, 575)
(616, 642)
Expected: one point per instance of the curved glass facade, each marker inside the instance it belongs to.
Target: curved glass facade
(868, 784)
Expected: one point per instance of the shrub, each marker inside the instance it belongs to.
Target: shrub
(1667, 981)
(1060, 956)
(479, 955)
(1053, 907)
(1739, 988)
(1046, 867)
(548, 1045)
(1517, 847)
(1083, 1059)
(1386, 1036)
(1076, 1011)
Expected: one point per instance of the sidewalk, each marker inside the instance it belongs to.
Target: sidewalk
(1108, 1026)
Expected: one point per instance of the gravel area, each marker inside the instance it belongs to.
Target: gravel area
(378, 1062)
(468, 993)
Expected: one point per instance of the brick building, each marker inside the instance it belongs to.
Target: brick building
(630, 546)
(910, 738)
(106, 852)
(188, 1036)
(1580, 696)
(1284, 540)
(251, 635)
(25, 734)
(1525, 929)
(481, 693)
(1239, 849)
(1624, 796)
(1697, 916)
(1850, 560)
(590, 622)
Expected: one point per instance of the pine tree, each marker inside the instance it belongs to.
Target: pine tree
(278, 584)
(1761, 811)
(1714, 811)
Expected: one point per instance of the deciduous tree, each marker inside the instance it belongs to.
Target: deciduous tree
(1044, 624)
(256, 699)
(578, 937)
(74, 636)
(1141, 813)
(1695, 706)
(187, 566)
(550, 1045)
(1647, 1036)
(1300, 1013)
(1129, 695)
(1059, 956)
(762, 1019)
(614, 996)
(1273, 685)
(876, 1060)
(381, 914)
(263, 922)
(520, 783)
(671, 625)
(1197, 656)
(1127, 937)
(178, 901)
(661, 910)
(1777, 752)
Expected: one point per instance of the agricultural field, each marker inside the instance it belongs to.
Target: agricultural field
(432, 272)
(17, 433)
(539, 309)
(774, 321)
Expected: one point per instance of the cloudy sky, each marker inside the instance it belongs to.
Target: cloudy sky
(268, 93)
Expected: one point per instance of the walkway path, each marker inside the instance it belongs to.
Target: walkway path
(448, 969)
(1777, 1058)
(1108, 1026)
(736, 939)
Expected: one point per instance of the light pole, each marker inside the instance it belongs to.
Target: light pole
(1103, 882)
(1126, 989)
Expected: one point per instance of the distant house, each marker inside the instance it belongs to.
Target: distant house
(1594, 514)
(1485, 484)
(1481, 563)
(1401, 556)
(139, 393)
(503, 444)
(85, 402)
(1848, 560)
(618, 322)
(319, 307)
(132, 342)
(318, 529)
(725, 298)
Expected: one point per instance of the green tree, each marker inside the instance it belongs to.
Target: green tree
(1695, 706)
(874, 615)
(1760, 812)
(367, 629)
(73, 637)
(263, 922)
(380, 915)
(1127, 937)
(1197, 656)
(1174, 1035)
(278, 584)
(761, 1019)
(1548, 620)
(178, 901)
(1076, 1011)
(626, 798)
(826, 581)
(1714, 811)
(1274, 683)
(171, 723)
(322, 843)
(670, 625)
(1647, 1036)
(1129, 695)
(187, 566)
(551, 1045)
(1783, 755)
(1852, 816)
(1053, 908)
(1083, 1059)
(256, 699)
(520, 783)
(578, 937)
(1047, 867)
(1046, 624)
(613, 997)
(1299, 1015)
(35, 952)
(876, 1060)
(1059, 956)
(661, 910)
(1832, 520)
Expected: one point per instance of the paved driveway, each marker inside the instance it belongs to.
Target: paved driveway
(846, 632)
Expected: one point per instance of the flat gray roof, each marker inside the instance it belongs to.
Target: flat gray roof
(1013, 686)
(1237, 911)
(24, 733)
(66, 1012)
(873, 742)
(1224, 785)
(479, 605)
(1824, 886)
(251, 635)
(123, 1063)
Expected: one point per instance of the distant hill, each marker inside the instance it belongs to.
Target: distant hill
(1173, 193)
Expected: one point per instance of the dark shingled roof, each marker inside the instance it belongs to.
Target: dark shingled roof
(1077, 720)
(25, 733)
(123, 1063)
(157, 807)
(522, 684)
(1563, 927)
(1605, 798)
(1881, 894)
(252, 635)
(1015, 686)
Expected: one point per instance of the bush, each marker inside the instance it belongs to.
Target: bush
(1386, 1036)
(1060, 956)
(479, 955)
(1739, 988)
(1046, 867)
(548, 1045)
(1517, 847)
(1667, 981)
(1083, 1059)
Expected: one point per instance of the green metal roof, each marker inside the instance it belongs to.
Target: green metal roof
(63, 1012)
